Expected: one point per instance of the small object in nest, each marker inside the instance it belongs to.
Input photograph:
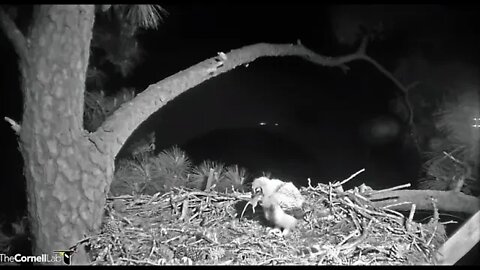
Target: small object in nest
(253, 202)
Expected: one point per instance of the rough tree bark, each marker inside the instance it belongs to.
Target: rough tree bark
(69, 171)
(66, 176)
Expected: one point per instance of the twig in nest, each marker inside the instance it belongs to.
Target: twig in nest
(271, 260)
(348, 237)
(349, 178)
(363, 236)
(184, 209)
(253, 202)
(400, 215)
(410, 217)
(390, 189)
(433, 234)
(395, 204)
(436, 215)
(137, 261)
(354, 219)
(209, 179)
(310, 183)
(154, 245)
(110, 257)
(84, 240)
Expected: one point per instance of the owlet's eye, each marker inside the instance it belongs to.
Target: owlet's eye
(258, 190)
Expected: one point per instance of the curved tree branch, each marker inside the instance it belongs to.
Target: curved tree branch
(397, 83)
(113, 133)
(14, 34)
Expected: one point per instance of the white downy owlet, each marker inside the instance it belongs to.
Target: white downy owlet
(281, 201)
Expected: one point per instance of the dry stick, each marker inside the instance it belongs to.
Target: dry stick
(395, 212)
(395, 204)
(412, 212)
(410, 217)
(310, 183)
(272, 259)
(460, 182)
(184, 209)
(390, 189)
(154, 245)
(433, 234)
(109, 252)
(349, 178)
(367, 211)
(354, 219)
(209, 179)
(359, 240)
(137, 261)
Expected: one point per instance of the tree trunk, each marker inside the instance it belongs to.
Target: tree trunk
(66, 175)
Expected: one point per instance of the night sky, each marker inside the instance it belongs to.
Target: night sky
(319, 111)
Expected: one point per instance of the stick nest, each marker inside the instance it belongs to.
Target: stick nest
(186, 226)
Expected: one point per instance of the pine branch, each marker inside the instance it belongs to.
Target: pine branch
(117, 128)
(14, 34)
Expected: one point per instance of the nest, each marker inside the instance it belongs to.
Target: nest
(186, 226)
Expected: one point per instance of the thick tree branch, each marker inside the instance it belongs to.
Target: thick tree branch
(113, 133)
(445, 200)
(14, 34)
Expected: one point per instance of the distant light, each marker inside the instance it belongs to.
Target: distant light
(276, 124)
(477, 122)
(262, 123)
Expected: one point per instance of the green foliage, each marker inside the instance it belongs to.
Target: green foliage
(131, 177)
(455, 120)
(455, 152)
(145, 16)
(233, 177)
(143, 147)
(114, 44)
(169, 169)
(146, 173)
(10, 238)
(199, 176)
(98, 106)
(175, 161)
